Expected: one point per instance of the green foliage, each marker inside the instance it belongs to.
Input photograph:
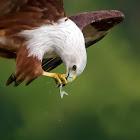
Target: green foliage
(103, 103)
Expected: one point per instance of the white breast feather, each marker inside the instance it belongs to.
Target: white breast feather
(63, 39)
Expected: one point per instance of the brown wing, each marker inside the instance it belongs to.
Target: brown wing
(8, 6)
(28, 14)
(11, 6)
(94, 25)
(17, 15)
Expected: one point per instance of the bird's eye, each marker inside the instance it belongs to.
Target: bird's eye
(74, 67)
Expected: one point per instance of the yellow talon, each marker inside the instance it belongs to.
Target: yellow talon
(60, 78)
(63, 78)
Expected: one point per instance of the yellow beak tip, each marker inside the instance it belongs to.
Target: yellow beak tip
(74, 77)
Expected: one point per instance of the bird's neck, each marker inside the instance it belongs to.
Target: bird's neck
(63, 39)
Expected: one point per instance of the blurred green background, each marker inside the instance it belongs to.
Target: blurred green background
(103, 103)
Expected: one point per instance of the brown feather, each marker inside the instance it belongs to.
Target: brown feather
(98, 17)
(11, 79)
(9, 6)
(7, 54)
(18, 15)
(27, 68)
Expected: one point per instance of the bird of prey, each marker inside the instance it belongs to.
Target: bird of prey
(39, 36)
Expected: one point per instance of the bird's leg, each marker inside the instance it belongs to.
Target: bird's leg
(59, 78)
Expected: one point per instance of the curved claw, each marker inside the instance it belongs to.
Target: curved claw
(63, 80)
(63, 85)
(11, 79)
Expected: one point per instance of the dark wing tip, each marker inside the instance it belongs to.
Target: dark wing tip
(29, 81)
(112, 18)
(51, 63)
(108, 19)
(11, 79)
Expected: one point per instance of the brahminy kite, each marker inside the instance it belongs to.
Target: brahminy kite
(39, 36)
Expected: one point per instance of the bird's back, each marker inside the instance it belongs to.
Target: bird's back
(19, 15)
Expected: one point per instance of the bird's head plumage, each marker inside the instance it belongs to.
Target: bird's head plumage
(75, 64)
(74, 51)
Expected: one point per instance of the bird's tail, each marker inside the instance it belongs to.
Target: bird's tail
(50, 64)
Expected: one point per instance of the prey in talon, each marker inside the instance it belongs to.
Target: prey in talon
(61, 84)
(62, 79)
(62, 93)
(49, 37)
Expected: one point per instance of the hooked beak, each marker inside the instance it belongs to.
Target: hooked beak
(70, 77)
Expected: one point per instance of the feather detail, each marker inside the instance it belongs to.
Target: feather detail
(27, 68)
(11, 79)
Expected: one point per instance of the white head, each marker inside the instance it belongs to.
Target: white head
(75, 65)
(73, 53)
